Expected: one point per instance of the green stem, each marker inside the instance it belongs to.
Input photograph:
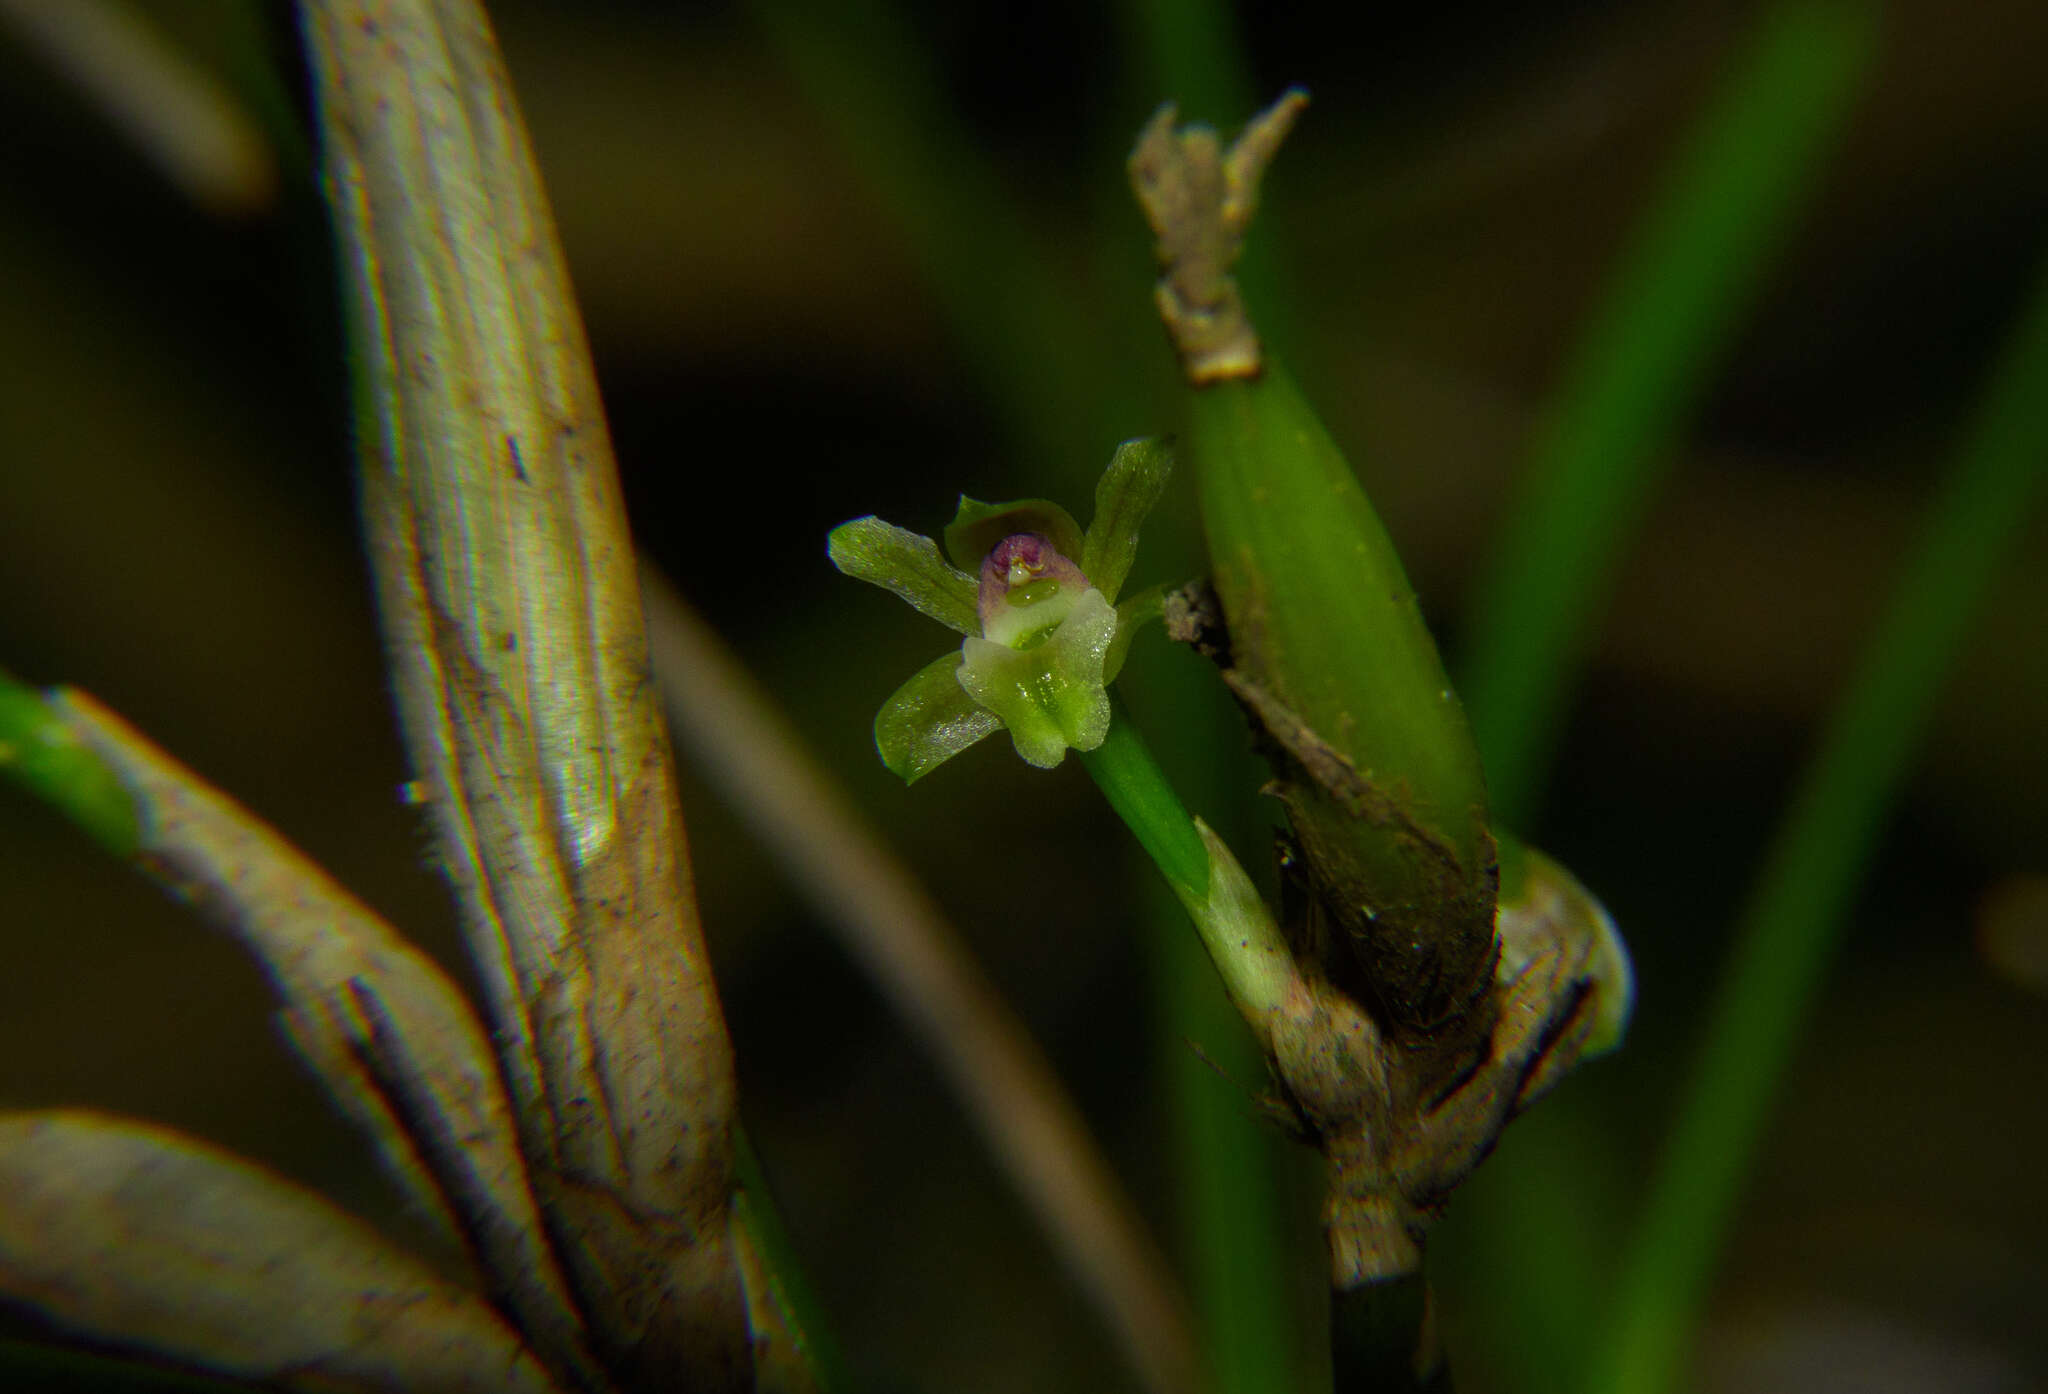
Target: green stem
(1228, 1168)
(862, 67)
(1243, 1248)
(1123, 768)
(1236, 928)
(1795, 913)
(38, 752)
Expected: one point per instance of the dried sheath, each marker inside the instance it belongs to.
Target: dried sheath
(512, 616)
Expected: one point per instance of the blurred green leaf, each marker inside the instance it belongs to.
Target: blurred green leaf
(1794, 915)
(1693, 270)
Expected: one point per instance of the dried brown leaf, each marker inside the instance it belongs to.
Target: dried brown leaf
(137, 1238)
(383, 1028)
(512, 616)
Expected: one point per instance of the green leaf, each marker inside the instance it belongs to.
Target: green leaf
(929, 720)
(1128, 491)
(977, 527)
(1688, 278)
(39, 752)
(908, 565)
(1052, 696)
(1975, 528)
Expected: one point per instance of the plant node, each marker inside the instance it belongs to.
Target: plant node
(1199, 199)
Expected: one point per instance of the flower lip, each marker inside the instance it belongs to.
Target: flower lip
(1027, 586)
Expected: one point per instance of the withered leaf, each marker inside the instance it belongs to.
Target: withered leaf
(512, 616)
(383, 1028)
(141, 1239)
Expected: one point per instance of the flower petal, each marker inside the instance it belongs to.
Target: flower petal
(1132, 614)
(1129, 488)
(929, 720)
(907, 564)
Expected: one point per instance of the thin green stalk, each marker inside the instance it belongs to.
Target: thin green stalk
(1237, 929)
(1692, 271)
(1242, 1271)
(1796, 910)
(40, 753)
(818, 1352)
(1187, 51)
(861, 67)
(1123, 768)
(1228, 1170)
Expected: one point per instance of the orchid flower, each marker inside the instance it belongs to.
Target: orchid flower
(1035, 597)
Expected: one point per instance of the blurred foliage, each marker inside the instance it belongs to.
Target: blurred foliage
(177, 535)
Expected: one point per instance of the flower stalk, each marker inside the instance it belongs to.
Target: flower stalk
(1038, 659)
(1234, 924)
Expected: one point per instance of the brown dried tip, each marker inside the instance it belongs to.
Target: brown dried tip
(1199, 199)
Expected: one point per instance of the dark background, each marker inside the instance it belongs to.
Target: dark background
(178, 536)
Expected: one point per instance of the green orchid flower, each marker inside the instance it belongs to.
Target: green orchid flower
(1036, 598)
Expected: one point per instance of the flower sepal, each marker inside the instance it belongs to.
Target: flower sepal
(930, 719)
(978, 527)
